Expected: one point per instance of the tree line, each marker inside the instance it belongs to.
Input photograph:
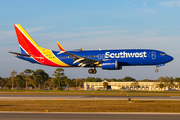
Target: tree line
(39, 79)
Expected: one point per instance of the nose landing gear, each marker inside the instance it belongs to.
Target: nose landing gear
(156, 70)
(92, 71)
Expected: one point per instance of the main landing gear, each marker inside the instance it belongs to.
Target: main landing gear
(92, 71)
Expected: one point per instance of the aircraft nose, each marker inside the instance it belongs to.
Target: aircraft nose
(169, 58)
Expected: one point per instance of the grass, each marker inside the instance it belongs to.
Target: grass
(90, 93)
(91, 106)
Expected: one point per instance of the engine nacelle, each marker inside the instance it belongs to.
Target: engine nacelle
(111, 65)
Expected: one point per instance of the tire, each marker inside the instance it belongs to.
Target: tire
(90, 71)
(94, 71)
(156, 70)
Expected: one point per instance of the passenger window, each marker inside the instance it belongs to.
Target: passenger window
(99, 56)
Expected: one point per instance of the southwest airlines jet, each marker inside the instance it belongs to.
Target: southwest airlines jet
(106, 59)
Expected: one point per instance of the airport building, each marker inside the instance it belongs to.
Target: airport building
(141, 86)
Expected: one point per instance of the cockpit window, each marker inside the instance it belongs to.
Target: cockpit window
(162, 54)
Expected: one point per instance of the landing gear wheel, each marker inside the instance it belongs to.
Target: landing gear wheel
(94, 71)
(156, 70)
(90, 71)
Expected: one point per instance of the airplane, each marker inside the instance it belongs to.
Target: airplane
(106, 59)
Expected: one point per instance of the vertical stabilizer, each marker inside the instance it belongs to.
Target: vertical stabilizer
(39, 54)
(26, 43)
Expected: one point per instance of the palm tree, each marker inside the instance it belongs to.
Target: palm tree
(28, 72)
(59, 75)
(18, 79)
(13, 73)
(67, 82)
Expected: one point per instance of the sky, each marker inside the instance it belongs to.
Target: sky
(93, 25)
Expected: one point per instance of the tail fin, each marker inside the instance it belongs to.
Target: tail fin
(26, 43)
(30, 47)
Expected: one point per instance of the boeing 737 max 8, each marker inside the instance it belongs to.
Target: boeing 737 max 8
(106, 59)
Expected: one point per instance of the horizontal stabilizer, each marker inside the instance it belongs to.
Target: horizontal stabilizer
(20, 54)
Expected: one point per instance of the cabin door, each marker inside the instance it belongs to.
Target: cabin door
(153, 55)
(42, 58)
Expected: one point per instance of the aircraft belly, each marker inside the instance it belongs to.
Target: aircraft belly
(136, 61)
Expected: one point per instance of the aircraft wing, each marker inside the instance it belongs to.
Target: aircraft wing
(26, 55)
(84, 61)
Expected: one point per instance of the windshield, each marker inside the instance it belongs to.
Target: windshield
(162, 54)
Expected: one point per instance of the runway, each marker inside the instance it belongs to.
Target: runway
(76, 97)
(88, 116)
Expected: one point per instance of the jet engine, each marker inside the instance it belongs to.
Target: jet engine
(111, 65)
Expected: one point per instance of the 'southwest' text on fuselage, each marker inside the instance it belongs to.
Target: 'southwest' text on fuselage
(125, 55)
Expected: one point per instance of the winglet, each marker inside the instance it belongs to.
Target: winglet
(60, 47)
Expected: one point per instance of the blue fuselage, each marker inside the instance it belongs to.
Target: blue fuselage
(129, 57)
